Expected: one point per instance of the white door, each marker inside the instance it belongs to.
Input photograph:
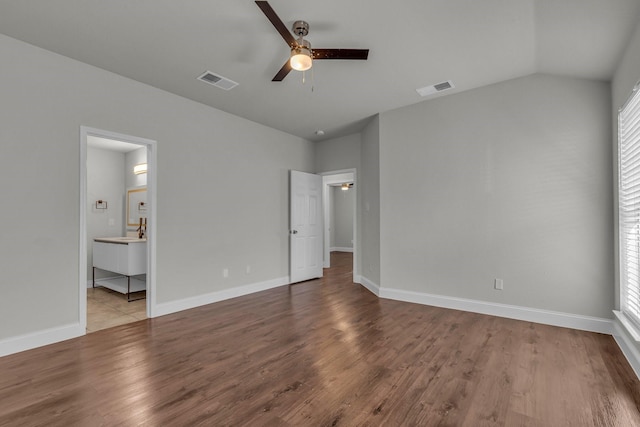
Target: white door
(305, 232)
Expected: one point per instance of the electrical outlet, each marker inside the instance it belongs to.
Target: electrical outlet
(225, 272)
(498, 284)
(248, 269)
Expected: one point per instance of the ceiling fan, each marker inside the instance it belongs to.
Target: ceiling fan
(302, 55)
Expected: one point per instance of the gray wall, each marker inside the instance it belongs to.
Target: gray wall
(343, 204)
(626, 76)
(369, 195)
(105, 181)
(131, 159)
(337, 154)
(509, 181)
(200, 150)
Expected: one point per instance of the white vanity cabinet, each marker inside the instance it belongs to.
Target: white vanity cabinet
(122, 255)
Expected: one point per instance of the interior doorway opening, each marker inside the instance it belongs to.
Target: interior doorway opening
(115, 275)
(340, 200)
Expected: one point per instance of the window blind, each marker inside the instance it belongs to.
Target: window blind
(629, 206)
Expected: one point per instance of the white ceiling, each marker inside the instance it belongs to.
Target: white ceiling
(413, 43)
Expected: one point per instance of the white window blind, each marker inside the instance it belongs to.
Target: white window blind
(629, 206)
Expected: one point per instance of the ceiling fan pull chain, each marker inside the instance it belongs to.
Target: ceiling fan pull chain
(312, 79)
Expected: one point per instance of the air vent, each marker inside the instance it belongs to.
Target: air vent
(217, 81)
(438, 87)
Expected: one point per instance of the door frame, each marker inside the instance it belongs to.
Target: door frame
(339, 177)
(151, 145)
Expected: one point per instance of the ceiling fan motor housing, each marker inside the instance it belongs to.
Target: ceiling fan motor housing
(300, 28)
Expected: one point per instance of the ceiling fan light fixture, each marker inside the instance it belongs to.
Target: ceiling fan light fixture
(301, 59)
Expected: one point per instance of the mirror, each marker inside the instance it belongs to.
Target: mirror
(136, 205)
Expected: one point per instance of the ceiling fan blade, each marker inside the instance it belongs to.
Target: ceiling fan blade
(340, 53)
(277, 22)
(283, 72)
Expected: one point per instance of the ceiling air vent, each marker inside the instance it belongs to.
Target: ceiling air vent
(438, 87)
(217, 81)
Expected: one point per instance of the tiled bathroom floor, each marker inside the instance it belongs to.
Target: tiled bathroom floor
(106, 308)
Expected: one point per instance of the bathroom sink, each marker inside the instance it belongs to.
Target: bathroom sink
(129, 239)
(122, 240)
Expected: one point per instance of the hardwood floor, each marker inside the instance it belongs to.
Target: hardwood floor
(323, 353)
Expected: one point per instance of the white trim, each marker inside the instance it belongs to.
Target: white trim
(210, 298)
(38, 339)
(627, 325)
(339, 249)
(371, 286)
(82, 244)
(629, 350)
(547, 317)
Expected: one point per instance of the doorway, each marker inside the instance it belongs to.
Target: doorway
(342, 184)
(106, 185)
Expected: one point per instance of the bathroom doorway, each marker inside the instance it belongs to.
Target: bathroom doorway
(113, 292)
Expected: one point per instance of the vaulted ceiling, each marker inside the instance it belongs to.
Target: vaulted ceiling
(413, 43)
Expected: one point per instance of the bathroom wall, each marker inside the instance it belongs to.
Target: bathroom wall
(131, 159)
(132, 180)
(105, 181)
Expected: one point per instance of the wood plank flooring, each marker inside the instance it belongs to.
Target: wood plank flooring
(322, 353)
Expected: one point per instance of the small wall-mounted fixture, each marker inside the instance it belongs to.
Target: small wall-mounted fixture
(101, 204)
(139, 169)
(345, 186)
(142, 206)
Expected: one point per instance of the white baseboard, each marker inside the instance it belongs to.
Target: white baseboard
(626, 344)
(38, 339)
(197, 301)
(339, 249)
(371, 286)
(547, 317)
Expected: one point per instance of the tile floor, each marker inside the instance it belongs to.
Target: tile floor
(107, 308)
